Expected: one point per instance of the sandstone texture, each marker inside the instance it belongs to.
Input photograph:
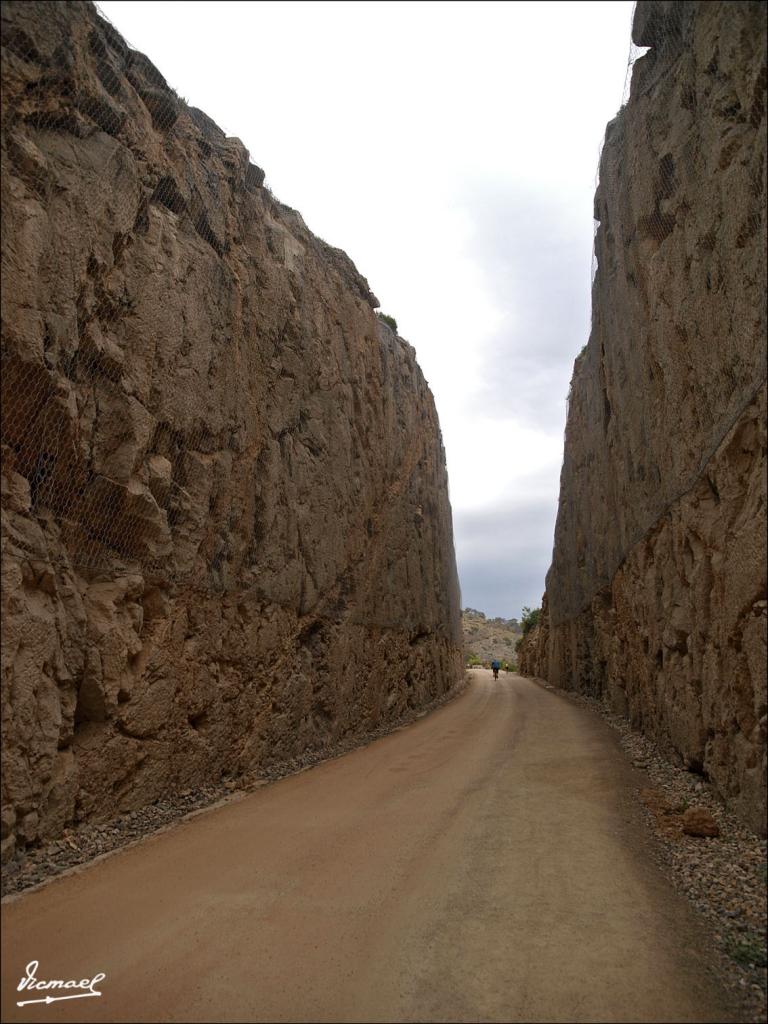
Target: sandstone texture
(656, 597)
(226, 531)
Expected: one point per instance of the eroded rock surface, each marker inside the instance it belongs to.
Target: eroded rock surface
(226, 529)
(656, 596)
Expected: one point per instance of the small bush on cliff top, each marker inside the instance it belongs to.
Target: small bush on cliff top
(388, 320)
(529, 619)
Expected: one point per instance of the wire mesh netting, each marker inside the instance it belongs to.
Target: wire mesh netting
(88, 449)
(103, 469)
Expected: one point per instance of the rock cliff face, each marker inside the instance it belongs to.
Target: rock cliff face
(656, 595)
(226, 529)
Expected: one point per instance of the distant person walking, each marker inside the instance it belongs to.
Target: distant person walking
(495, 665)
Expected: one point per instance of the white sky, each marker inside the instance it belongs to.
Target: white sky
(451, 150)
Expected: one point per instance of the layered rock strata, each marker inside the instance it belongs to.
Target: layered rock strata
(656, 597)
(226, 531)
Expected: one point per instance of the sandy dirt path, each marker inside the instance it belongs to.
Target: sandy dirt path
(484, 864)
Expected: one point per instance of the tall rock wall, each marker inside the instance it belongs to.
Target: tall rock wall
(226, 530)
(656, 597)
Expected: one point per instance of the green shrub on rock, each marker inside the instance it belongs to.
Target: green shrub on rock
(388, 320)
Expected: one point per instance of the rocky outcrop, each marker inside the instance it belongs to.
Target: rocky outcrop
(657, 591)
(533, 651)
(226, 530)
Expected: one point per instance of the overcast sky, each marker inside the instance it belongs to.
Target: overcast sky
(451, 150)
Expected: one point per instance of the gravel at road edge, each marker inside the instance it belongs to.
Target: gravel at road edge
(724, 878)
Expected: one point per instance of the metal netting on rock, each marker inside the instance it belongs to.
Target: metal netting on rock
(89, 451)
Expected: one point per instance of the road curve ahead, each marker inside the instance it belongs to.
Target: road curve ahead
(483, 864)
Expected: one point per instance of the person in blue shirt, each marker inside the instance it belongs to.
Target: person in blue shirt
(495, 665)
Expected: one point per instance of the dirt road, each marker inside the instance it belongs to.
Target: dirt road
(484, 864)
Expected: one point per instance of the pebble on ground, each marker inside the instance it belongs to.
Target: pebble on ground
(723, 876)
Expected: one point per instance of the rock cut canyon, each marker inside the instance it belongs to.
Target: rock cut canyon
(226, 533)
(656, 597)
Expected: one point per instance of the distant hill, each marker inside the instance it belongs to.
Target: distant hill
(486, 639)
